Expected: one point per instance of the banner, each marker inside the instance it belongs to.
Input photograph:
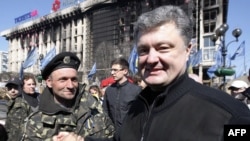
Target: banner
(92, 71)
(29, 61)
(133, 60)
(47, 58)
(240, 51)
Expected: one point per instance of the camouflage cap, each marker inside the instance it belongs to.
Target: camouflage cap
(61, 60)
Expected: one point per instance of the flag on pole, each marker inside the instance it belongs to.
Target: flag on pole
(92, 71)
(218, 62)
(47, 58)
(31, 58)
(21, 72)
(240, 51)
(196, 58)
(133, 60)
(211, 70)
(29, 61)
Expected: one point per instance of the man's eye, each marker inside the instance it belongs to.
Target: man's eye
(142, 51)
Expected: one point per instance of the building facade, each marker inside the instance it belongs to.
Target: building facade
(3, 61)
(100, 30)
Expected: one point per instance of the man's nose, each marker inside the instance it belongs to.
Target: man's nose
(152, 56)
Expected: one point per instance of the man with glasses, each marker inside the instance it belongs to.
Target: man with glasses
(119, 95)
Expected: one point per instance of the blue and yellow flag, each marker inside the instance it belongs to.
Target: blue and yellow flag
(133, 60)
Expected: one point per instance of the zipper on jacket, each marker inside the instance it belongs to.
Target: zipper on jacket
(150, 108)
(149, 113)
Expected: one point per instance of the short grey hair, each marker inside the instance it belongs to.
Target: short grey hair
(162, 15)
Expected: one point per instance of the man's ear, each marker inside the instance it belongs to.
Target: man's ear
(126, 71)
(188, 50)
(48, 82)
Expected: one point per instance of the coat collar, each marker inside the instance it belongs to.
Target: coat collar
(47, 104)
(172, 92)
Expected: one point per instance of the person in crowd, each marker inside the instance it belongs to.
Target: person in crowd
(119, 95)
(173, 106)
(237, 88)
(17, 111)
(29, 92)
(96, 92)
(65, 106)
(105, 83)
(13, 88)
(3, 133)
(22, 106)
(138, 80)
(195, 77)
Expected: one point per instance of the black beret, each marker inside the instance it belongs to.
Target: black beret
(61, 60)
(14, 81)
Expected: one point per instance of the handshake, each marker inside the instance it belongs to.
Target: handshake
(247, 93)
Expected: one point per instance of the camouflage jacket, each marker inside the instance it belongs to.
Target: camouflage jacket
(18, 110)
(86, 118)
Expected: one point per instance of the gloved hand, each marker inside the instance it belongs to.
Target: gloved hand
(247, 93)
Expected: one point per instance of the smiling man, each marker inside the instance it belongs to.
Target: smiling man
(174, 107)
(65, 106)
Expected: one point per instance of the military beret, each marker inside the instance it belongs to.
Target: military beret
(61, 60)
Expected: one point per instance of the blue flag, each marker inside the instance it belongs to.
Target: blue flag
(21, 72)
(218, 62)
(92, 71)
(133, 60)
(47, 58)
(196, 58)
(240, 51)
(29, 61)
(31, 58)
(211, 70)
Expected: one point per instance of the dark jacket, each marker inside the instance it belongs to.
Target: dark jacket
(32, 100)
(117, 100)
(84, 118)
(186, 110)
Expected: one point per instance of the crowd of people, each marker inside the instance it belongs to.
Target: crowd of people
(162, 102)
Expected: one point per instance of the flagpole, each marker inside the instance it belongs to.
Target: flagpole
(245, 71)
(244, 63)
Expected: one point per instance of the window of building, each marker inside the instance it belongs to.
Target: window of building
(208, 54)
(208, 3)
(76, 31)
(75, 22)
(208, 42)
(209, 17)
(75, 40)
(209, 27)
(209, 49)
(64, 45)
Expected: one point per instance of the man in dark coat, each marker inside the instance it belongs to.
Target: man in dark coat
(173, 107)
(119, 95)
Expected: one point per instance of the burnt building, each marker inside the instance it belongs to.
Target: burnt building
(100, 30)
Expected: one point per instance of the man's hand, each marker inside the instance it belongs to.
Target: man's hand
(67, 136)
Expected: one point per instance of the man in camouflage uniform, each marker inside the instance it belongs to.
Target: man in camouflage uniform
(65, 106)
(18, 110)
